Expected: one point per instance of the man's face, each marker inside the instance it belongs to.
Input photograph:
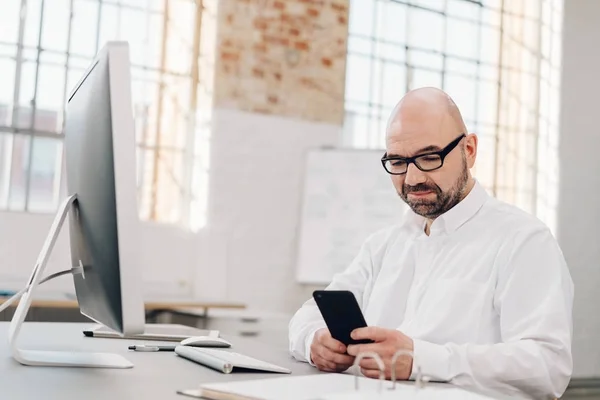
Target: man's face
(432, 193)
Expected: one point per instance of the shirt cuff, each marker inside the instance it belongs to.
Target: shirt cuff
(433, 360)
(307, 344)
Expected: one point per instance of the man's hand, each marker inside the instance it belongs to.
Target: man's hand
(387, 342)
(329, 354)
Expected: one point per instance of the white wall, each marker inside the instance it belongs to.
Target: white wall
(579, 210)
(256, 174)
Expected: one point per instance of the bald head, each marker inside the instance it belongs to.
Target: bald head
(427, 105)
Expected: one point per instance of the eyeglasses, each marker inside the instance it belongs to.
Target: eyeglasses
(425, 162)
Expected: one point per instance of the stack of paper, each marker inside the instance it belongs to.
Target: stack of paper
(290, 388)
(326, 387)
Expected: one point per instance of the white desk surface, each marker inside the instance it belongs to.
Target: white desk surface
(154, 376)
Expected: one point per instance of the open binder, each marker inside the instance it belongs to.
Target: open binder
(334, 386)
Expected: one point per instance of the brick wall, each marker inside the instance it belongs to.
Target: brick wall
(283, 57)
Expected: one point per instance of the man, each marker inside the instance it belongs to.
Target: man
(478, 290)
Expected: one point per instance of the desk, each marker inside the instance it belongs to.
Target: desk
(156, 376)
(154, 308)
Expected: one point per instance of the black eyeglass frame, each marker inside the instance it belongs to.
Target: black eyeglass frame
(411, 160)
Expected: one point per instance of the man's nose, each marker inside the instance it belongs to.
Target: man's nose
(414, 175)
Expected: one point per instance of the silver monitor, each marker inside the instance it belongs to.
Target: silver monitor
(102, 211)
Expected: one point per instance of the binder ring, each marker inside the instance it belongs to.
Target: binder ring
(377, 359)
(420, 380)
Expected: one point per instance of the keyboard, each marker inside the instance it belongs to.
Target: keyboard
(226, 361)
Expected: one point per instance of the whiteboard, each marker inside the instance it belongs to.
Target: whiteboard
(347, 196)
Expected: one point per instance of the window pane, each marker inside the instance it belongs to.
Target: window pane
(19, 164)
(489, 73)
(5, 115)
(32, 24)
(359, 45)
(429, 4)
(109, 25)
(463, 91)
(357, 78)
(133, 28)
(135, 3)
(391, 52)
(426, 29)
(464, 9)
(487, 100)
(146, 159)
(546, 42)
(169, 181)
(425, 60)
(392, 21)
(155, 35)
(394, 83)
(361, 17)
(5, 161)
(84, 30)
(7, 50)
(461, 38)
(9, 21)
(50, 97)
(7, 75)
(45, 168)
(179, 51)
(55, 31)
(55, 58)
(51, 85)
(490, 45)
(26, 95)
(459, 67)
(531, 9)
(377, 82)
(421, 78)
(80, 63)
(357, 127)
(491, 17)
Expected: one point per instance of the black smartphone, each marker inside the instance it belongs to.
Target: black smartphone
(341, 313)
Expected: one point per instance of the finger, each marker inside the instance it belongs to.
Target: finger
(370, 373)
(374, 333)
(332, 344)
(355, 349)
(369, 363)
(324, 365)
(337, 358)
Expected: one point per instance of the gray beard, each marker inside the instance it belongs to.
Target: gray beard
(443, 202)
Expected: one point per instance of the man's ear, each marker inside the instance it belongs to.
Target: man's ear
(470, 148)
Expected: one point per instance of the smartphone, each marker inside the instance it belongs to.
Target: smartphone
(341, 313)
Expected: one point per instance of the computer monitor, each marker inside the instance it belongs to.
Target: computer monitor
(100, 172)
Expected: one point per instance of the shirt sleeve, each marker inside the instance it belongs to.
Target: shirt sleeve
(307, 320)
(534, 299)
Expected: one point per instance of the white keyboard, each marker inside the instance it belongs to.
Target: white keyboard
(226, 361)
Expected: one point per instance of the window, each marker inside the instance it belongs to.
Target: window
(45, 46)
(500, 62)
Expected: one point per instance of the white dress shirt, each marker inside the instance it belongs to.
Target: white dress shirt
(487, 298)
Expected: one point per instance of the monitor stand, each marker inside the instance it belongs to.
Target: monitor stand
(54, 358)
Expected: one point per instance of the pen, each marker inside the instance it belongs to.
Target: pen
(152, 348)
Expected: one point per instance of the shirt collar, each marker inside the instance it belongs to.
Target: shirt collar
(454, 218)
